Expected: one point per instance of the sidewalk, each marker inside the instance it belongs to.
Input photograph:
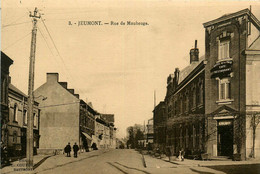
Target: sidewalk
(45, 162)
(37, 160)
(192, 163)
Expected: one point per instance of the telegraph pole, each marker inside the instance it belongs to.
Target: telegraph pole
(29, 136)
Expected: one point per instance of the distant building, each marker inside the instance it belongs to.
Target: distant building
(159, 121)
(150, 132)
(110, 118)
(87, 124)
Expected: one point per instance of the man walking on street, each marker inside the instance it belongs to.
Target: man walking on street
(68, 149)
(75, 149)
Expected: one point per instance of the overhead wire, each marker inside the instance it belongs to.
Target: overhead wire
(59, 55)
(17, 41)
(4, 26)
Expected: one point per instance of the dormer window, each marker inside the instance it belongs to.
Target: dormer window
(223, 50)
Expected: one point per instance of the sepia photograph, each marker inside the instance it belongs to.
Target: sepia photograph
(130, 87)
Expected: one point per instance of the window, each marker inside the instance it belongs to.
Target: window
(201, 93)
(223, 51)
(34, 119)
(175, 108)
(25, 117)
(14, 137)
(181, 105)
(224, 89)
(15, 112)
(194, 98)
(187, 102)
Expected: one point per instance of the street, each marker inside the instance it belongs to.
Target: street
(124, 161)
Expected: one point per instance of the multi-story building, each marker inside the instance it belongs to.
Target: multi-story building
(64, 116)
(17, 122)
(232, 84)
(185, 106)
(6, 62)
(159, 120)
(212, 105)
(110, 118)
(87, 124)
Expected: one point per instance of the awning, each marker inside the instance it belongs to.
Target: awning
(86, 135)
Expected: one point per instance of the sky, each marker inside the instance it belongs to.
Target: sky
(116, 67)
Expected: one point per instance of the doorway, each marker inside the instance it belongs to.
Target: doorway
(225, 140)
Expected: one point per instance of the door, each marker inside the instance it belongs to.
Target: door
(225, 140)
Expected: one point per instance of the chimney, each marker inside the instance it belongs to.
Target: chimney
(176, 75)
(52, 77)
(194, 53)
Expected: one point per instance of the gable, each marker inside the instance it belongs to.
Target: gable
(224, 111)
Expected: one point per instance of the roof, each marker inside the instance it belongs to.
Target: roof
(229, 16)
(109, 117)
(15, 89)
(187, 70)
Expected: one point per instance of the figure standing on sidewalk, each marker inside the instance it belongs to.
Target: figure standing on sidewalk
(75, 149)
(67, 149)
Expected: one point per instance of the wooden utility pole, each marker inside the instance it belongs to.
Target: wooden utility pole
(29, 136)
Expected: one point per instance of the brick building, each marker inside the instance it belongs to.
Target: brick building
(232, 56)
(87, 124)
(6, 62)
(17, 122)
(185, 106)
(212, 105)
(159, 117)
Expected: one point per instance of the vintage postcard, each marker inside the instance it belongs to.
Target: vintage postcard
(130, 86)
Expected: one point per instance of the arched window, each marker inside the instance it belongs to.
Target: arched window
(15, 112)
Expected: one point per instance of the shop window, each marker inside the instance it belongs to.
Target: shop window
(223, 51)
(224, 89)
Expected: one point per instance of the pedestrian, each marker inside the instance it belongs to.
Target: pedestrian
(94, 146)
(67, 149)
(181, 154)
(75, 149)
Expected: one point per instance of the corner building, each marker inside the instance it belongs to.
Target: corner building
(213, 104)
(231, 84)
